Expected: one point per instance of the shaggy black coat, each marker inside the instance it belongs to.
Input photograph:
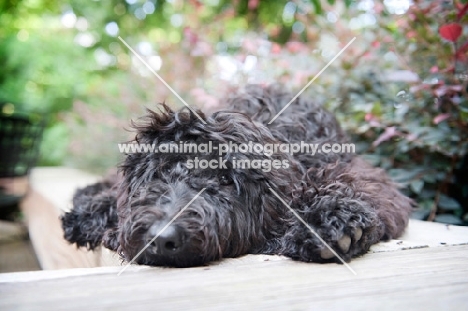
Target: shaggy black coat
(350, 204)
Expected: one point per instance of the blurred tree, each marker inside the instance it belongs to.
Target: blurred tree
(50, 50)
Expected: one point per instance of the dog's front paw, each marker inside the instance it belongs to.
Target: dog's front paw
(341, 229)
(344, 245)
(349, 232)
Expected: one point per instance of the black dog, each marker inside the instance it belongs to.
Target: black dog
(348, 204)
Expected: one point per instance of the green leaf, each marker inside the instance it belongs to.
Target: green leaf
(448, 203)
(464, 109)
(417, 186)
(448, 219)
(430, 178)
(377, 109)
(373, 159)
(421, 215)
(426, 205)
(400, 175)
(428, 194)
(318, 6)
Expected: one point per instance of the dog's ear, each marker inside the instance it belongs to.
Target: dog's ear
(93, 213)
(155, 128)
(167, 125)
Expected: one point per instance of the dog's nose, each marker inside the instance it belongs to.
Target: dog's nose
(169, 242)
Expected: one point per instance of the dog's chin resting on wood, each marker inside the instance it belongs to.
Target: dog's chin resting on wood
(348, 203)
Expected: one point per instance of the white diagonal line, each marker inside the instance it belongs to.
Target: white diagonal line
(313, 231)
(313, 79)
(161, 79)
(160, 232)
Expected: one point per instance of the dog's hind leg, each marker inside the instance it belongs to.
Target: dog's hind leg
(351, 206)
(93, 216)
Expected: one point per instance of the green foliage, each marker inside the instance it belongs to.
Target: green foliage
(417, 130)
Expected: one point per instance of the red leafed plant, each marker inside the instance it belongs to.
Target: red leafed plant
(451, 32)
(423, 141)
(444, 97)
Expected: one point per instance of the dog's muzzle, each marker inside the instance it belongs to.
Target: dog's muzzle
(166, 242)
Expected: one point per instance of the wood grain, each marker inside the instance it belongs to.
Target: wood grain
(425, 279)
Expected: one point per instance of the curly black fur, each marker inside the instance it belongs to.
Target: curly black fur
(350, 204)
(93, 213)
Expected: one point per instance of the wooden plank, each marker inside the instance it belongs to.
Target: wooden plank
(58, 184)
(427, 279)
(46, 234)
(420, 234)
(51, 191)
(17, 255)
(424, 269)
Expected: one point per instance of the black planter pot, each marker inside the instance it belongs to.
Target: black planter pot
(19, 144)
(20, 137)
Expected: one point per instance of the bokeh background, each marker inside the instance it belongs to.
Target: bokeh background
(400, 89)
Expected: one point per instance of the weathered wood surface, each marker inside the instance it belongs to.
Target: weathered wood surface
(418, 279)
(427, 269)
(16, 256)
(50, 195)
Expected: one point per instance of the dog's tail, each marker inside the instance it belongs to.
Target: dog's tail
(94, 212)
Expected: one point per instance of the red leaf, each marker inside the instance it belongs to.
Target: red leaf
(389, 133)
(441, 117)
(253, 4)
(368, 117)
(451, 32)
(275, 48)
(462, 11)
(464, 48)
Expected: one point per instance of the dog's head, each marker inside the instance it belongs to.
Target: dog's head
(159, 200)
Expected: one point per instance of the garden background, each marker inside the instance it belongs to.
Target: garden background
(400, 89)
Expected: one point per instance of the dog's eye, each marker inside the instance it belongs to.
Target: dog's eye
(164, 200)
(225, 180)
(192, 214)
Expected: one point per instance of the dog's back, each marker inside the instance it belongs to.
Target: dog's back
(302, 121)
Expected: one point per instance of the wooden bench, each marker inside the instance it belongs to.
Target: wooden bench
(425, 269)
